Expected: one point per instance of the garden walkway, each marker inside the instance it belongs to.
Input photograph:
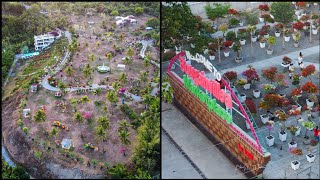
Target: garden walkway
(145, 44)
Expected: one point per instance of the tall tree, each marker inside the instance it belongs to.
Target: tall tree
(217, 11)
(130, 52)
(69, 71)
(40, 116)
(282, 13)
(104, 122)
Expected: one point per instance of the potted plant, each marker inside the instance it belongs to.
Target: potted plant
(211, 55)
(270, 138)
(278, 28)
(237, 48)
(263, 41)
(286, 35)
(264, 118)
(310, 156)
(231, 76)
(252, 29)
(251, 75)
(241, 82)
(296, 37)
(265, 31)
(298, 26)
(293, 129)
(242, 33)
(212, 49)
(226, 51)
(309, 125)
(282, 116)
(295, 164)
(256, 93)
(286, 61)
(223, 27)
(272, 41)
(231, 36)
(243, 97)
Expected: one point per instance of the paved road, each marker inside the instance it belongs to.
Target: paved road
(208, 158)
(145, 44)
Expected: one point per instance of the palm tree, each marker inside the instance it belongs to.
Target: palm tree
(69, 71)
(104, 122)
(123, 78)
(87, 70)
(112, 97)
(127, 61)
(101, 133)
(130, 52)
(146, 62)
(73, 103)
(92, 57)
(123, 125)
(124, 135)
(78, 117)
(109, 56)
(85, 99)
(143, 76)
(40, 116)
(98, 44)
(116, 86)
(97, 91)
(118, 171)
(147, 99)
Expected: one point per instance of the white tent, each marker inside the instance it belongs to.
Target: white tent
(119, 22)
(121, 66)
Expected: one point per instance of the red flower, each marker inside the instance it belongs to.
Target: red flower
(264, 7)
(231, 75)
(308, 71)
(298, 25)
(228, 43)
(301, 4)
(296, 92)
(309, 87)
(251, 106)
(232, 11)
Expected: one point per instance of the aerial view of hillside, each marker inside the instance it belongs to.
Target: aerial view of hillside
(80, 90)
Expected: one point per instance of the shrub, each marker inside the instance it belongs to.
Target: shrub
(231, 36)
(309, 87)
(308, 71)
(251, 74)
(298, 25)
(278, 26)
(232, 11)
(286, 60)
(132, 115)
(264, 7)
(231, 75)
(251, 106)
(168, 55)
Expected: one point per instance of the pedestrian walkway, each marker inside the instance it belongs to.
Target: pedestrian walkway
(210, 160)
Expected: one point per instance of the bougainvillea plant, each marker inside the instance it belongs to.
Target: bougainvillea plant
(87, 115)
(274, 100)
(232, 11)
(228, 43)
(308, 71)
(269, 74)
(301, 4)
(296, 92)
(286, 60)
(231, 75)
(309, 87)
(251, 106)
(264, 7)
(251, 74)
(298, 25)
(278, 26)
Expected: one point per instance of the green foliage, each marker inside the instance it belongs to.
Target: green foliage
(138, 10)
(40, 116)
(104, 122)
(153, 22)
(218, 11)
(131, 114)
(9, 172)
(25, 129)
(118, 172)
(114, 13)
(38, 154)
(20, 123)
(234, 22)
(282, 12)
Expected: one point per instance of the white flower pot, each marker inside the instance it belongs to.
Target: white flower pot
(287, 38)
(299, 107)
(246, 86)
(314, 31)
(309, 103)
(313, 26)
(311, 159)
(270, 142)
(226, 54)
(261, 19)
(242, 41)
(243, 98)
(212, 58)
(256, 94)
(231, 45)
(277, 34)
(308, 5)
(262, 45)
(266, 36)
(299, 16)
(283, 137)
(166, 50)
(295, 166)
(298, 132)
(192, 45)
(315, 4)
(292, 146)
(297, 12)
(241, 23)
(269, 51)
(254, 39)
(264, 119)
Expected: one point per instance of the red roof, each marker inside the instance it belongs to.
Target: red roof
(54, 33)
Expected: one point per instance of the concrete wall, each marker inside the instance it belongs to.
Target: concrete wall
(197, 8)
(217, 127)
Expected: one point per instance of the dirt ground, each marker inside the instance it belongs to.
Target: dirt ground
(54, 163)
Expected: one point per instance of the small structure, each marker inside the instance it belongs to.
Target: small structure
(125, 20)
(90, 22)
(26, 112)
(103, 68)
(43, 41)
(66, 143)
(58, 94)
(34, 87)
(121, 66)
(149, 28)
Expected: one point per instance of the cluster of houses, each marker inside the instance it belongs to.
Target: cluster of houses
(121, 21)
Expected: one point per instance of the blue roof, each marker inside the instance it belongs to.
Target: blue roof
(66, 142)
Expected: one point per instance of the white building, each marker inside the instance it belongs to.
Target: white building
(124, 20)
(43, 41)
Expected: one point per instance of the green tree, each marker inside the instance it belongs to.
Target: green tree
(78, 117)
(123, 77)
(25, 130)
(146, 62)
(114, 13)
(109, 56)
(9, 172)
(153, 22)
(92, 57)
(87, 70)
(218, 11)
(116, 86)
(54, 131)
(101, 133)
(69, 71)
(127, 60)
(123, 125)
(130, 52)
(85, 99)
(62, 85)
(140, 174)
(138, 10)
(40, 116)
(124, 135)
(282, 13)
(118, 172)
(112, 96)
(143, 76)
(104, 122)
